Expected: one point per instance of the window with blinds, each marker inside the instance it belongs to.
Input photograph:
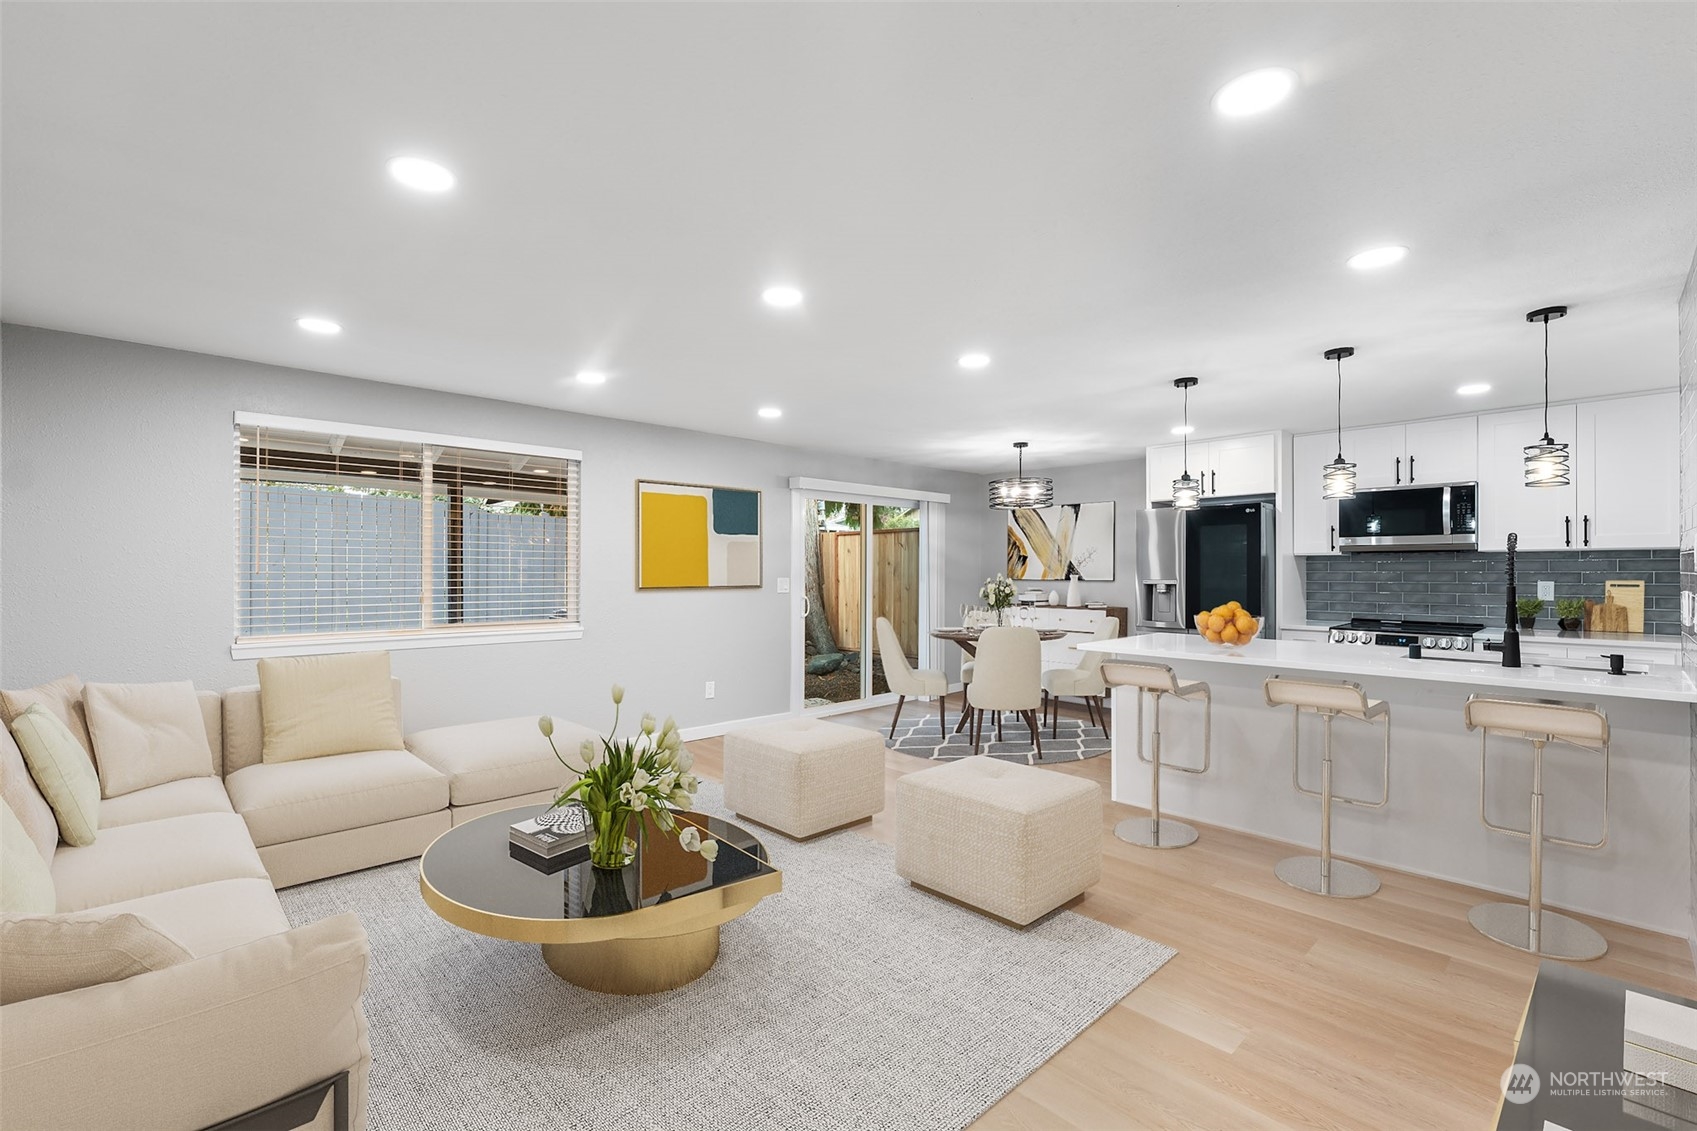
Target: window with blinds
(347, 533)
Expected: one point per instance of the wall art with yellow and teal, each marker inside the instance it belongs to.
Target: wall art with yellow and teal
(691, 536)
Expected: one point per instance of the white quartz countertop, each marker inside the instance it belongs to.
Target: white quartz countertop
(1663, 682)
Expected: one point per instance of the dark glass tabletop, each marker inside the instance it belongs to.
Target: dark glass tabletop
(471, 865)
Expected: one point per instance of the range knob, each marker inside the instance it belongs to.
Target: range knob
(1337, 636)
(1447, 642)
(1431, 642)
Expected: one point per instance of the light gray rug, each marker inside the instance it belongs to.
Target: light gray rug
(1074, 740)
(849, 1000)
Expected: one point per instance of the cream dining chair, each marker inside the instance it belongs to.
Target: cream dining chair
(906, 680)
(1007, 676)
(1084, 682)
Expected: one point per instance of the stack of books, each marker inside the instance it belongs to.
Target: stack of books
(551, 845)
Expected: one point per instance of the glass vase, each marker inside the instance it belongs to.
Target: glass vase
(611, 846)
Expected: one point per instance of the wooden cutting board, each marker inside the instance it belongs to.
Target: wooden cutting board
(1629, 595)
(1606, 615)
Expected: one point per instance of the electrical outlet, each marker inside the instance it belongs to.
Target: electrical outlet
(1546, 591)
(709, 689)
(783, 585)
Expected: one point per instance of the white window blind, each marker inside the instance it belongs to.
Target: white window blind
(354, 533)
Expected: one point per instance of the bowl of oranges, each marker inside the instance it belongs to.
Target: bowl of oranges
(1228, 625)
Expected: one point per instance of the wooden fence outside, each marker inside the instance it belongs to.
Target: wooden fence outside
(895, 590)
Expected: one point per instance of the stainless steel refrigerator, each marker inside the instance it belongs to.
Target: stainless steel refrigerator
(1195, 559)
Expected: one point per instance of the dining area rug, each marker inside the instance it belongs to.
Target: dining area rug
(1075, 741)
(848, 1000)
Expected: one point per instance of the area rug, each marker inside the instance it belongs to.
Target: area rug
(848, 1000)
(1075, 740)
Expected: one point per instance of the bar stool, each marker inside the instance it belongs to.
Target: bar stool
(1322, 875)
(1154, 681)
(1527, 926)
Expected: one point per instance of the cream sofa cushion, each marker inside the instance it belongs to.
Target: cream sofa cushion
(146, 734)
(158, 802)
(500, 759)
(62, 770)
(19, 791)
(286, 801)
(314, 706)
(26, 882)
(207, 918)
(136, 860)
(62, 698)
(52, 954)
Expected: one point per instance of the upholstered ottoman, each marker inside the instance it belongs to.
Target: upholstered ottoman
(500, 764)
(804, 776)
(1014, 841)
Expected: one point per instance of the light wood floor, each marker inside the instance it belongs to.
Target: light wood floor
(1283, 1009)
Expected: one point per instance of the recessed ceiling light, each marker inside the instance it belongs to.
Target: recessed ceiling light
(1255, 92)
(319, 325)
(974, 360)
(771, 412)
(1377, 257)
(591, 377)
(782, 297)
(417, 173)
(1183, 429)
(1473, 390)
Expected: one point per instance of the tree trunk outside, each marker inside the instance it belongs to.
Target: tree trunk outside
(819, 634)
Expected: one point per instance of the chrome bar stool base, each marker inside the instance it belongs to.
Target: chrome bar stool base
(1559, 936)
(1347, 881)
(1146, 832)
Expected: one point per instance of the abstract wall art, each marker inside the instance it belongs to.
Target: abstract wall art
(691, 536)
(1060, 542)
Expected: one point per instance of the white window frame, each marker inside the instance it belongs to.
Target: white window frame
(401, 639)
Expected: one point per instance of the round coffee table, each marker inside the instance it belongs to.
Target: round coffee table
(651, 926)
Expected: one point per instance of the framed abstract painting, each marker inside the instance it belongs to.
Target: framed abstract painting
(694, 536)
(1061, 542)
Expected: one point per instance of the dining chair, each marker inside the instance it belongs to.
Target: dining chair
(1084, 682)
(904, 679)
(1007, 676)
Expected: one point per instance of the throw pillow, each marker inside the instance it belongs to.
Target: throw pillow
(19, 791)
(62, 698)
(146, 734)
(62, 770)
(26, 884)
(313, 706)
(52, 954)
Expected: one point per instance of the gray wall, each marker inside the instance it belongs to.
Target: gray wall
(1446, 585)
(1120, 483)
(117, 563)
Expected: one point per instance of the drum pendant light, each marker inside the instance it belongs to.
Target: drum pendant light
(1017, 491)
(1546, 461)
(1340, 473)
(1187, 489)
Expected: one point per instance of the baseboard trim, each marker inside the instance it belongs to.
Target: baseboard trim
(714, 730)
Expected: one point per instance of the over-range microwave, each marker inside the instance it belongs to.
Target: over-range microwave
(1426, 516)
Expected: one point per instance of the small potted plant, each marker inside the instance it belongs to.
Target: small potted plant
(1528, 608)
(1571, 611)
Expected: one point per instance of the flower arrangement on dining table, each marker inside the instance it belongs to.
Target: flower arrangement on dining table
(998, 592)
(619, 778)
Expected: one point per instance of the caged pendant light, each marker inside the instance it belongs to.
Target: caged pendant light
(1017, 491)
(1187, 489)
(1340, 473)
(1546, 461)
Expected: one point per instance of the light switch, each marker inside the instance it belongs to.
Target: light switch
(1546, 591)
(783, 585)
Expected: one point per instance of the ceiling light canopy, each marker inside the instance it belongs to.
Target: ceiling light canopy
(1378, 257)
(591, 377)
(783, 297)
(974, 360)
(315, 325)
(1255, 92)
(421, 175)
(1187, 488)
(1339, 475)
(1546, 461)
(1473, 390)
(770, 412)
(1017, 490)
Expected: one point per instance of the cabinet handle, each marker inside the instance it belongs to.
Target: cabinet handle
(1214, 482)
(1334, 539)
(1587, 539)
(1411, 469)
(1567, 529)
(1399, 469)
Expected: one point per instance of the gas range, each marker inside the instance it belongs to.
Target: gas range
(1454, 636)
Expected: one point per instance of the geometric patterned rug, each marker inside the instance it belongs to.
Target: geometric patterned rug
(1076, 740)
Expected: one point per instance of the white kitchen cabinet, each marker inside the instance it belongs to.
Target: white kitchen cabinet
(1240, 465)
(1442, 451)
(1544, 517)
(1376, 454)
(1627, 462)
(1313, 517)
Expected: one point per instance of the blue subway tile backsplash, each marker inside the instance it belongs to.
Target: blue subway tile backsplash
(1452, 585)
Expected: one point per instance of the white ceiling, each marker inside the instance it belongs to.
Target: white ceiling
(1044, 182)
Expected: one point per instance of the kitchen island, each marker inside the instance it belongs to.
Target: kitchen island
(1431, 825)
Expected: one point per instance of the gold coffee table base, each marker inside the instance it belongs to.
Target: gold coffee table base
(635, 966)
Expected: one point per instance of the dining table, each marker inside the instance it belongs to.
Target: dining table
(967, 639)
